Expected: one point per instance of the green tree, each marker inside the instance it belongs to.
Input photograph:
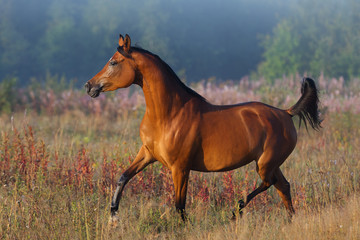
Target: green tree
(281, 52)
(319, 36)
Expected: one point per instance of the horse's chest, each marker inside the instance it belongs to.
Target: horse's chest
(169, 143)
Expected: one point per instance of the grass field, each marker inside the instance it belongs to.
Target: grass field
(61, 153)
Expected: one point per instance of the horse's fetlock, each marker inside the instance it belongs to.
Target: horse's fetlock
(114, 209)
(241, 204)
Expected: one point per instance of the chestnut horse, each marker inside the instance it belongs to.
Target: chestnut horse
(184, 132)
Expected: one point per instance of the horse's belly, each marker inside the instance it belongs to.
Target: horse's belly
(220, 163)
(223, 154)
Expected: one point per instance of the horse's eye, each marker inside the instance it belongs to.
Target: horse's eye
(113, 63)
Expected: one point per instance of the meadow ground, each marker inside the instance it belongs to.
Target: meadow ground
(62, 152)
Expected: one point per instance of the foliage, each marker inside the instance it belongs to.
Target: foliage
(55, 95)
(318, 37)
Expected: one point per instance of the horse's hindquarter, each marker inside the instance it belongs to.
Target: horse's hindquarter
(233, 136)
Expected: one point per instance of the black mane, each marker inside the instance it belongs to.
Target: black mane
(169, 69)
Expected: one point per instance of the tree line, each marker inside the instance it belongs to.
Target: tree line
(199, 39)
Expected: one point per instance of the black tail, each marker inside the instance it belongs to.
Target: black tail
(307, 106)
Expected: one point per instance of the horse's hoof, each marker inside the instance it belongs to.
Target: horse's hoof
(241, 204)
(113, 221)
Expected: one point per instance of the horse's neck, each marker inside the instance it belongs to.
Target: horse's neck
(164, 95)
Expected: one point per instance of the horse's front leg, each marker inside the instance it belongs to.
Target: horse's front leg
(180, 178)
(143, 158)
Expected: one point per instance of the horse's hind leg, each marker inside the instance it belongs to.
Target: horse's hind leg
(263, 187)
(265, 169)
(283, 188)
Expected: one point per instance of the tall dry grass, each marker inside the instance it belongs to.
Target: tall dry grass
(59, 163)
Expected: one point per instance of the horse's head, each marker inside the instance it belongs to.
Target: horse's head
(119, 71)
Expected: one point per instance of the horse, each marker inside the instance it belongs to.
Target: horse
(184, 132)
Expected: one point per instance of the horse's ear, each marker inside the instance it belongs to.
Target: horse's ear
(127, 43)
(121, 40)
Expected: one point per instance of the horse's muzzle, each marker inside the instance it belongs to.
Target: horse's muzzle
(93, 91)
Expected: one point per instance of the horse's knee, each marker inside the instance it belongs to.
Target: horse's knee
(122, 180)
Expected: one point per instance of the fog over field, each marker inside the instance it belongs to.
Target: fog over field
(199, 39)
